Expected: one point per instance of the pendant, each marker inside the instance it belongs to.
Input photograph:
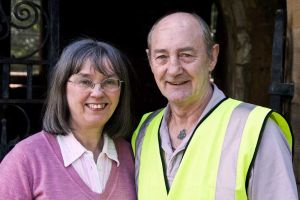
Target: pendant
(181, 134)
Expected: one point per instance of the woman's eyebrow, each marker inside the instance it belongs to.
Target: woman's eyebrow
(84, 75)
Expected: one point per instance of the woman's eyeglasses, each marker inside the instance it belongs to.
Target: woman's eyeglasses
(108, 85)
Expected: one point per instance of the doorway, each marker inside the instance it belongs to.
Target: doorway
(125, 25)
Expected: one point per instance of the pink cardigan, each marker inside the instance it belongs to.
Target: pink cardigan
(34, 170)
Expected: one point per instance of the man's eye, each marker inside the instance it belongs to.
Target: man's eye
(185, 55)
(161, 57)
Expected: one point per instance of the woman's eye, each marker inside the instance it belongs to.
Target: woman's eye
(86, 82)
(110, 82)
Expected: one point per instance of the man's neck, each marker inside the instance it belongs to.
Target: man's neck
(182, 119)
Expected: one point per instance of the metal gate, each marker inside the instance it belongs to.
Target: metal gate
(281, 90)
(29, 43)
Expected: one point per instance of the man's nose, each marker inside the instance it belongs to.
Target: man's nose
(175, 66)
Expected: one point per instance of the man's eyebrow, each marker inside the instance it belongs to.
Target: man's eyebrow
(179, 50)
(187, 49)
(159, 51)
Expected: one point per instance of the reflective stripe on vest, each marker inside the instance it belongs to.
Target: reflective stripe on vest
(217, 159)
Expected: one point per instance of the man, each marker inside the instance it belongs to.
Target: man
(204, 145)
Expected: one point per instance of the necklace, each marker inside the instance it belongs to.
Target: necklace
(181, 135)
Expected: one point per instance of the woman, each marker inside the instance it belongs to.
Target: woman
(80, 153)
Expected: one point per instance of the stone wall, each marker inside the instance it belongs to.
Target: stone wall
(293, 48)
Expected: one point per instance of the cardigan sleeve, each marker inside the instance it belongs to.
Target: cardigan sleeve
(15, 176)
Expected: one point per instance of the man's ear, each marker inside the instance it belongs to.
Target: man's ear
(148, 54)
(149, 58)
(214, 57)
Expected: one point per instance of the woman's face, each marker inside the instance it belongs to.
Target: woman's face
(90, 108)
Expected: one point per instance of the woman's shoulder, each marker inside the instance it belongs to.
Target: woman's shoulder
(121, 141)
(37, 139)
(122, 145)
(32, 144)
(125, 153)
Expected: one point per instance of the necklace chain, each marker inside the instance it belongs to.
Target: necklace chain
(181, 135)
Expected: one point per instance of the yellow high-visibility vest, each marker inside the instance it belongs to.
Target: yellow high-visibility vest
(220, 139)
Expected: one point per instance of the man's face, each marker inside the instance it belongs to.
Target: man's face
(179, 59)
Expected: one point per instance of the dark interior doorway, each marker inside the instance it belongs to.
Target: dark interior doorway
(125, 25)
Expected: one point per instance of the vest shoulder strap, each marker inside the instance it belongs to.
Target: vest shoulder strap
(140, 131)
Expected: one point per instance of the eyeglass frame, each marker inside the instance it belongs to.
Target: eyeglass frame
(93, 84)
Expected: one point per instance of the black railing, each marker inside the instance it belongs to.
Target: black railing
(279, 89)
(21, 105)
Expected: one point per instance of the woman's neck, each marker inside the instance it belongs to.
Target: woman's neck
(91, 139)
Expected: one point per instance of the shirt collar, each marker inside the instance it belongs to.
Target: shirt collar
(72, 150)
(109, 149)
(217, 96)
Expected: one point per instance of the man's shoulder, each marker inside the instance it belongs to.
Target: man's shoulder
(150, 115)
(243, 105)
